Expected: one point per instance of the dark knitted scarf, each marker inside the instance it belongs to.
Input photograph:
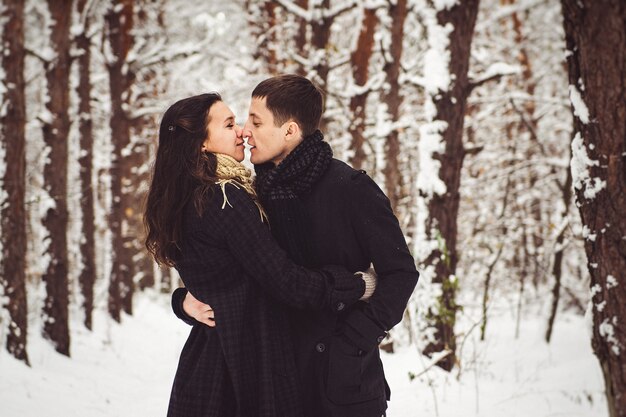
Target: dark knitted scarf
(281, 189)
(297, 173)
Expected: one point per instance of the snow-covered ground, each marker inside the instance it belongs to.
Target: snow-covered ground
(126, 371)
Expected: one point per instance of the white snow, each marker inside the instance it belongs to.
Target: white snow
(127, 370)
(444, 4)
(430, 143)
(437, 57)
(611, 282)
(436, 79)
(596, 289)
(504, 376)
(607, 331)
(580, 169)
(580, 108)
(587, 234)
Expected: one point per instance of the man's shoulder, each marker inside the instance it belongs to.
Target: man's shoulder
(340, 174)
(346, 182)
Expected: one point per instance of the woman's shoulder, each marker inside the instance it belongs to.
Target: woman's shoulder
(220, 205)
(230, 199)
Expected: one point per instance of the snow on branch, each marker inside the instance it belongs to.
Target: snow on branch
(374, 83)
(506, 11)
(160, 56)
(325, 14)
(440, 5)
(45, 55)
(494, 72)
(135, 114)
(293, 8)
(339, 9)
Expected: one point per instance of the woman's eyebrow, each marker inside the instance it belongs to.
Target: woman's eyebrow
(229, 119)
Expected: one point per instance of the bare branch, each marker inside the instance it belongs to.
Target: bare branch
(336, 11)
(36, 55)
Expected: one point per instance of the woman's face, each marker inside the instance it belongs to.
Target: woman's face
(224, 136)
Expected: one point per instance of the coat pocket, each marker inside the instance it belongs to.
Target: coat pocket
(353, 376)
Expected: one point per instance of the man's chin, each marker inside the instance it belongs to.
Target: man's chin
(257, 160)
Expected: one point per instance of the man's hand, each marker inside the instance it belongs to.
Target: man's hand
(198, 310)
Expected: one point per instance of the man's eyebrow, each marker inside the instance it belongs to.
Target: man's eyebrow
(254, 115)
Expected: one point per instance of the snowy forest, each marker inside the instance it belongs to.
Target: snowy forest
(497, 128)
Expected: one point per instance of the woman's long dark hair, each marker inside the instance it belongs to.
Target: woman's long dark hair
(182, 172)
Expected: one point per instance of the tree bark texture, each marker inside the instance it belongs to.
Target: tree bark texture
(87, 277)
(119, 21)
(12, 209)
(55, 134)
(360, 62)
(443, 209)
(595, 34)
(262, 21)
(320, 36)
(301, 36)
(393, 100)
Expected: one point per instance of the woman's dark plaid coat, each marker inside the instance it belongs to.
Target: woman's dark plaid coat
(245, 365)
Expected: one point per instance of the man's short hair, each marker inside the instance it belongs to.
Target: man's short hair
(292, 97)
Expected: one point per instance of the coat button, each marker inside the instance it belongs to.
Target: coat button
(320, 347)
(380, 339)
(340, 306)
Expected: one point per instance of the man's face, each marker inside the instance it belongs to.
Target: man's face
(267, 141)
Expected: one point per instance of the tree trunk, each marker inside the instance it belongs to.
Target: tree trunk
(301, 37)
(391, 97)
(262, 21)
(528, 123)
(320, 35)
(557, 266)
(596, 43)
(12, 209)
(55, 134)
(119, 24)
(441, 224)
(360, 61)
(153, 87)
(87, 277)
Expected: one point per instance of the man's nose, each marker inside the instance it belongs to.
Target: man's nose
(246, 132)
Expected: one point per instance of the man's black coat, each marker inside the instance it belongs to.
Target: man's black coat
(346, 220)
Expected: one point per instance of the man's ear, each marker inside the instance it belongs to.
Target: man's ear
(293, 131)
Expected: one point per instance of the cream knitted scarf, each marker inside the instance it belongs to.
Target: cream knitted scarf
(229, 171)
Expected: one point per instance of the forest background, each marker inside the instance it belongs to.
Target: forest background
(497, 129)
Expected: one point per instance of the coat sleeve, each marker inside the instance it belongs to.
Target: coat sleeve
(378, 231)
(250, 243)
(178, 297)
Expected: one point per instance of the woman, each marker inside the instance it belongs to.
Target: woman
(203, 218)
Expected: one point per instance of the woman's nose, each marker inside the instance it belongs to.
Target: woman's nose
(238, 131)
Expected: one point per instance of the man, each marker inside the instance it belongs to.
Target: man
(322, 212)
